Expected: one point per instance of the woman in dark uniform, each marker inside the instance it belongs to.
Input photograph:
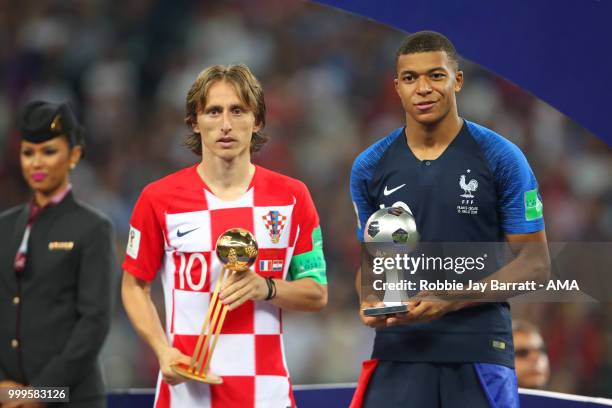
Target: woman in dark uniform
(57, 260)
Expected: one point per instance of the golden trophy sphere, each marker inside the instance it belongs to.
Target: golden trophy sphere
(237, 249)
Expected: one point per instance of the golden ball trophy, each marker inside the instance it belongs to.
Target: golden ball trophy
(236, 248)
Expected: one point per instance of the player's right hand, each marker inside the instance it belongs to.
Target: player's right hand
(375, 322)
(166, 358)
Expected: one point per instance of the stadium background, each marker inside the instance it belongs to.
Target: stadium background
(327, 76)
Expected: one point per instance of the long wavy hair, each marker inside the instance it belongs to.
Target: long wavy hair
(249, 90)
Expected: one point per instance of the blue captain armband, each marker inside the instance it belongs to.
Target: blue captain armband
(310, 264)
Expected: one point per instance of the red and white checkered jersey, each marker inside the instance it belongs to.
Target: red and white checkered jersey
(174, 228)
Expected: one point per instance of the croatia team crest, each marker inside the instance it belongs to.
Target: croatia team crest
(275, 224)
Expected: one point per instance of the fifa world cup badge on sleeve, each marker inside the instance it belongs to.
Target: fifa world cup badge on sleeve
(133, 243)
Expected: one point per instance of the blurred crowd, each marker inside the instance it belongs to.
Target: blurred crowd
(125, 66)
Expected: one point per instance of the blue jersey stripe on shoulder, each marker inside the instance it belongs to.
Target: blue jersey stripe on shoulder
(517, 187)
(362, 171)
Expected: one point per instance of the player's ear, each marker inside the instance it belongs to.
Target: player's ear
(396, 85)
(458, 80)
(257, 127)
(194, 126)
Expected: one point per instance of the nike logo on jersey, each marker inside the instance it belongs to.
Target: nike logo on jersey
(393, 190)
(182, 234)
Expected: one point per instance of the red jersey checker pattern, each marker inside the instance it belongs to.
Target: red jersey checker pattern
(178, 221)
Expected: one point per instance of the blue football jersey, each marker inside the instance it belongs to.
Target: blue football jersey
(480, 189)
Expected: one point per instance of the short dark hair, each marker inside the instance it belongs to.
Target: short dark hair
(249, 90)
(428, 41)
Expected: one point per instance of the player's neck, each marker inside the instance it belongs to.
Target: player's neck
(227, 179)
(428, 142)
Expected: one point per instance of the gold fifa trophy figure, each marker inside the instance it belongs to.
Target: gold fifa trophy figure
(236, 248)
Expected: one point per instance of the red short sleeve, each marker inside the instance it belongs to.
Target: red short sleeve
(145, 246)
(307, 218)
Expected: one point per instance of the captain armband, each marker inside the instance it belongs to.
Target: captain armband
(310, 264)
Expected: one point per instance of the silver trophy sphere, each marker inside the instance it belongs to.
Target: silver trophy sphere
(393, 230)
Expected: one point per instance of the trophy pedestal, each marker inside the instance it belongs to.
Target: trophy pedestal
(237, 250)
(189, 373)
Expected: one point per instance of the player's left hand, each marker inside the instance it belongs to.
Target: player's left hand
(242, 286)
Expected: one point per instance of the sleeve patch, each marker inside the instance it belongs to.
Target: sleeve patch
(133, 243)
(533, 205)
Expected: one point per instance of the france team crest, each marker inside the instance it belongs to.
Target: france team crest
(275, 224)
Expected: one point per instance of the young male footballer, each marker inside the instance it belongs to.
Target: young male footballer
(463, 183)
(174, 228)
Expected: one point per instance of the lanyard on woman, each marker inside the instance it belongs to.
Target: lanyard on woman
(35, 211)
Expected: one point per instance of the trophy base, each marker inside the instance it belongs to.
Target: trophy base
(186, 372)
(384, 310)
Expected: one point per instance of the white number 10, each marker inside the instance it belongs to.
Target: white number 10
(185, 271)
